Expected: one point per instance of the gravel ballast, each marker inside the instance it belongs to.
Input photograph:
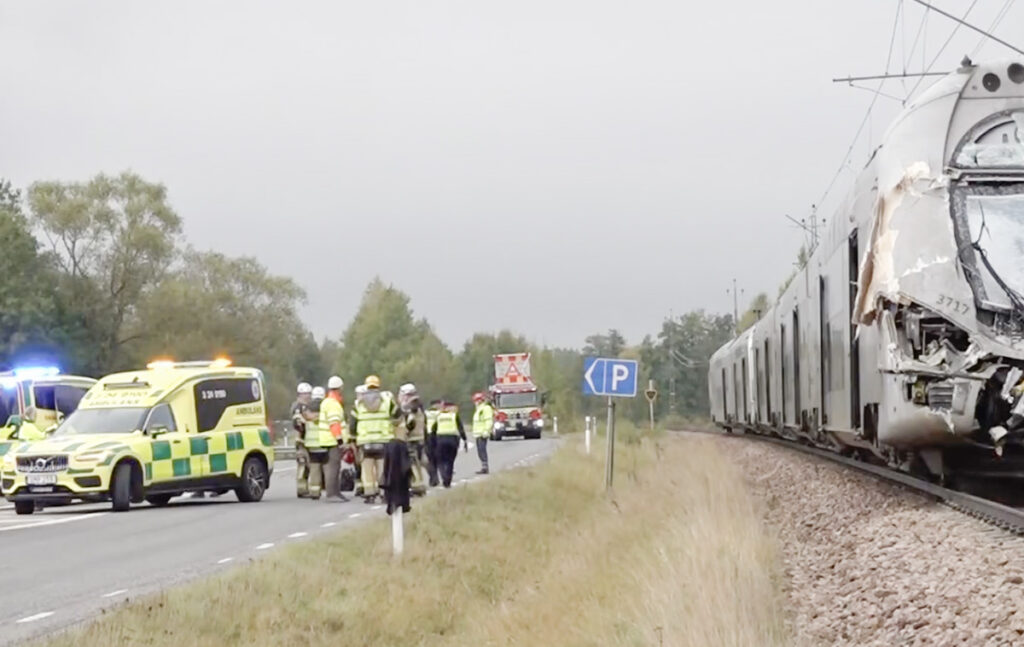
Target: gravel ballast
(869, 563)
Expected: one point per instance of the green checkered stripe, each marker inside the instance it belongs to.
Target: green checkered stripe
(162, 452)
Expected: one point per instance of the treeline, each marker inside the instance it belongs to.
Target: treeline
(96, 277)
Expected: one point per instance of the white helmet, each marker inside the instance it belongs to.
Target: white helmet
(360, 389)
(303, 388)
(407, 389)
(319, 393)
(335, 383)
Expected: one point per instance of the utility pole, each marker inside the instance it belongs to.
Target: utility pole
(735, 308)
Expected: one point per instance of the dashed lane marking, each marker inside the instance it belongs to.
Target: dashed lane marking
(113, 593)
(264, 546)
(225, 560)
(296, 535)
(38, 616)
(355, 514)
(53, 522)
(327, 525)
(376, 507)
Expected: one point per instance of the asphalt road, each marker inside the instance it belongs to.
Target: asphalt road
(63, 565)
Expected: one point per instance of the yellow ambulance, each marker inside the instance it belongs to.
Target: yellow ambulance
(151, 435)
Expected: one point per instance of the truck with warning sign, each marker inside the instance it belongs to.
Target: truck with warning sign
(518, 403)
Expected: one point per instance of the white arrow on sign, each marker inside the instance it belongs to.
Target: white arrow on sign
(589, 375)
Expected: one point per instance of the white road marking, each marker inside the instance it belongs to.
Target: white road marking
(296, 535)
(376, 507)
(355, 514)
(53, 522)
(113, 593)
(264, 546)
(327, 525)
(225, 560)
(38, 616)
(284, 469)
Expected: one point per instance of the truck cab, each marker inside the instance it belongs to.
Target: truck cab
(517, 412)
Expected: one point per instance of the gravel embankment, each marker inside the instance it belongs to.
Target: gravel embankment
(869, 563)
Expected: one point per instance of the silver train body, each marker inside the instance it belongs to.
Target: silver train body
(903, 336)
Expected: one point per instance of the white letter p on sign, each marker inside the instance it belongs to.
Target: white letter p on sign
(619, 373)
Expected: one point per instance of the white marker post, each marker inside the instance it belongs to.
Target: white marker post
(586, 432)
(555, 421)
(397, 532)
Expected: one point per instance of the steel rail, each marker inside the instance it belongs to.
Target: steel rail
(991, 512)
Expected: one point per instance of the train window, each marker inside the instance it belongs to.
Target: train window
(853, 259)
(824, 339)
(759, 390)
(782, 369)
(725, 402)
(796, 366)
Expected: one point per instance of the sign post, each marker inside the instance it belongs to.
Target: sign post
(651, 394)
(611, 377)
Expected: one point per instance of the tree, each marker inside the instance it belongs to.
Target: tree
(758, 307)
(609, 345)
(114, 238)
(212, 305)
(385, 339)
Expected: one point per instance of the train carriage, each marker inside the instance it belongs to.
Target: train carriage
(903, 334)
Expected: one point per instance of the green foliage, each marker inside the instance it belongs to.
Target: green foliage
(758, 307)
(114, 238)
(609, 345)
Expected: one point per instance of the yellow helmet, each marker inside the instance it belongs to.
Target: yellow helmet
(372, 382)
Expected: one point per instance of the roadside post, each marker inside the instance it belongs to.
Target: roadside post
(586, 432)
(555, 420)
(397, 532)
(651, 394)
(612, 378)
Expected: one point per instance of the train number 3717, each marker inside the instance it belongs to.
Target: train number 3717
(955, 305)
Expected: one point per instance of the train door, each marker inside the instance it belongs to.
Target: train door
(824, 342)
(725, 397)
(853, 258)
(796, 366)
(759, 411)
(782, 367)
(746, 400)
(767, 380)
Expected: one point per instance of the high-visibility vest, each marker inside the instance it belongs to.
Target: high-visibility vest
(331, 412)
(483, 420)
(374, 426)
(446, 424)
(29, 431)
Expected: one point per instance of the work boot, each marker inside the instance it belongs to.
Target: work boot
(341, 498)
(483, 470)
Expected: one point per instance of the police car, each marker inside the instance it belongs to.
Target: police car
(149, 436)
(51, 393)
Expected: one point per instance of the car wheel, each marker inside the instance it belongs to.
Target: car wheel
(497, 437)
(121, 488)
(24, 507)
(254, 481)
(159, 500)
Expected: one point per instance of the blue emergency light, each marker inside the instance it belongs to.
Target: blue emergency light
(36, 372)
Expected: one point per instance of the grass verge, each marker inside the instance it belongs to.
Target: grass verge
(538, 556)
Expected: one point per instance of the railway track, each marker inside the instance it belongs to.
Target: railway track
(991, 512)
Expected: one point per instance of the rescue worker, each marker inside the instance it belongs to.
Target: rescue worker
(483, 425)
(416, 424)
(303, 397)
(319, 441)
(373, 426)
(358, 490)
(28, 429)
(332, 419)
(448, 430)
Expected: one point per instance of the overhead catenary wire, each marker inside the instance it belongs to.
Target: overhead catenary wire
(963, 21)
(992, 27)
(867, 113)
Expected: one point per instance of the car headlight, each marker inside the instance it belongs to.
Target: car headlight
(499, 425)
(8, 462)
(90, 457)
(539, 422)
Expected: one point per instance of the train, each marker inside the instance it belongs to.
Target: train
(901, 339)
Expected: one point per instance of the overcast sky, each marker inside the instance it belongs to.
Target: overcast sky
(556, 168)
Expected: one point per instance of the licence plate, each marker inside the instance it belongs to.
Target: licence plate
(40, 479)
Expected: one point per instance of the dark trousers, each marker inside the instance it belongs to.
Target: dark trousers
(431, 452)
(481, 451)
(446, 450)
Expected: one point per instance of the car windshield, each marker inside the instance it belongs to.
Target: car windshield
(8, 401)
(996, 224)
(120, 420)
(513, 400)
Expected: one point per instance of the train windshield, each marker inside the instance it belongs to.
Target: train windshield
(996, 227)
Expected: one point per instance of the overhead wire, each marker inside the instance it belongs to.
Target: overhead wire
(867, 113)
(935, 59)
(995, 23)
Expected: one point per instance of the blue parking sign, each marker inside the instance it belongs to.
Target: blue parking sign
(610, 376)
